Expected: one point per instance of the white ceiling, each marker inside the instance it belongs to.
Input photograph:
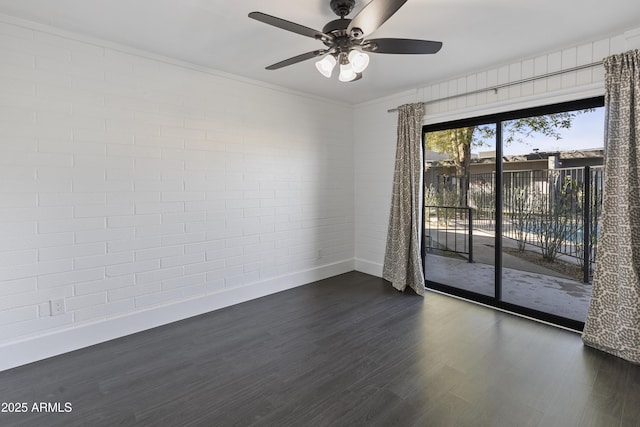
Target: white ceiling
(218, 34)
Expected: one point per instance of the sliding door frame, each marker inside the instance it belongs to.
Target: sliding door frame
(497, 119)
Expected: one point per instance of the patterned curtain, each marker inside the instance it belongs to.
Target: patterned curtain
(613, 321)
(402, 259)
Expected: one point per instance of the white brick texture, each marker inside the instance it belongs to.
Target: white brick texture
(128, 182)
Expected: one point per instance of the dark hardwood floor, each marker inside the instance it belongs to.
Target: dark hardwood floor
(345, 351)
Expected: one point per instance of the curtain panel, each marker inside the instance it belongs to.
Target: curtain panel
(403, 260)
(613, 320)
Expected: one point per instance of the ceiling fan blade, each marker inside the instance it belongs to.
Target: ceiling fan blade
(297, 59)
(373, 15)
(403, 46)
(290, 26)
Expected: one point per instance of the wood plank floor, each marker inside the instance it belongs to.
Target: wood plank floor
(345, 351)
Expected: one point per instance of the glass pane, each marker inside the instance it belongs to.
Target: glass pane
(459, 209)
(552, 185)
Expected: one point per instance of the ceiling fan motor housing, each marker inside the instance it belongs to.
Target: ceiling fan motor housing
(342, 7)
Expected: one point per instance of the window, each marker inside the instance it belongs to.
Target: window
(511, 207)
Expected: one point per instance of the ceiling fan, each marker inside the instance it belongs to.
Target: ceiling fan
(344, 38)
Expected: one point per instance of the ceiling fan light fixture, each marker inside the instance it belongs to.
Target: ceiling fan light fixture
(347, 73)
(359, 60)
(345, 40)
(326, 65)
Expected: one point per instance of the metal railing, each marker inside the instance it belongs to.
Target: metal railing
(449, 229)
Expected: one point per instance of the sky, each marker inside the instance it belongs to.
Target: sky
(587, 131)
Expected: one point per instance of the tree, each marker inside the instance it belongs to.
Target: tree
(457, 143)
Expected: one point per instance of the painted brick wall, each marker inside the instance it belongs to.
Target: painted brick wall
(375, 128)
(129, 182)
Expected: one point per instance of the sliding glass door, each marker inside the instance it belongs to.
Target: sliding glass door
(551, 205)
(459, 207)
(511, 208)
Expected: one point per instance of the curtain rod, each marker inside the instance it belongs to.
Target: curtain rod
(503, 85)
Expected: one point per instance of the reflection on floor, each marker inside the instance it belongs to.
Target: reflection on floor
(557, 295)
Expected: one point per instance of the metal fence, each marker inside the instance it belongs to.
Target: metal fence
(554, 210)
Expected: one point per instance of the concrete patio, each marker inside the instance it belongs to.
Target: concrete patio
(523, 283)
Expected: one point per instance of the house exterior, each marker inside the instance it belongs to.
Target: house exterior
(440, 170)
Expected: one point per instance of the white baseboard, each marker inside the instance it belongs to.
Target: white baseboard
(44, 346)
(372, 268)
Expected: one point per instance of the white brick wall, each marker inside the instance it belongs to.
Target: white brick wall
(374, 128)
(127, 183)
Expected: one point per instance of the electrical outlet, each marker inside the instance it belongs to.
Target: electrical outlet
(320, 253)
(57, 306)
